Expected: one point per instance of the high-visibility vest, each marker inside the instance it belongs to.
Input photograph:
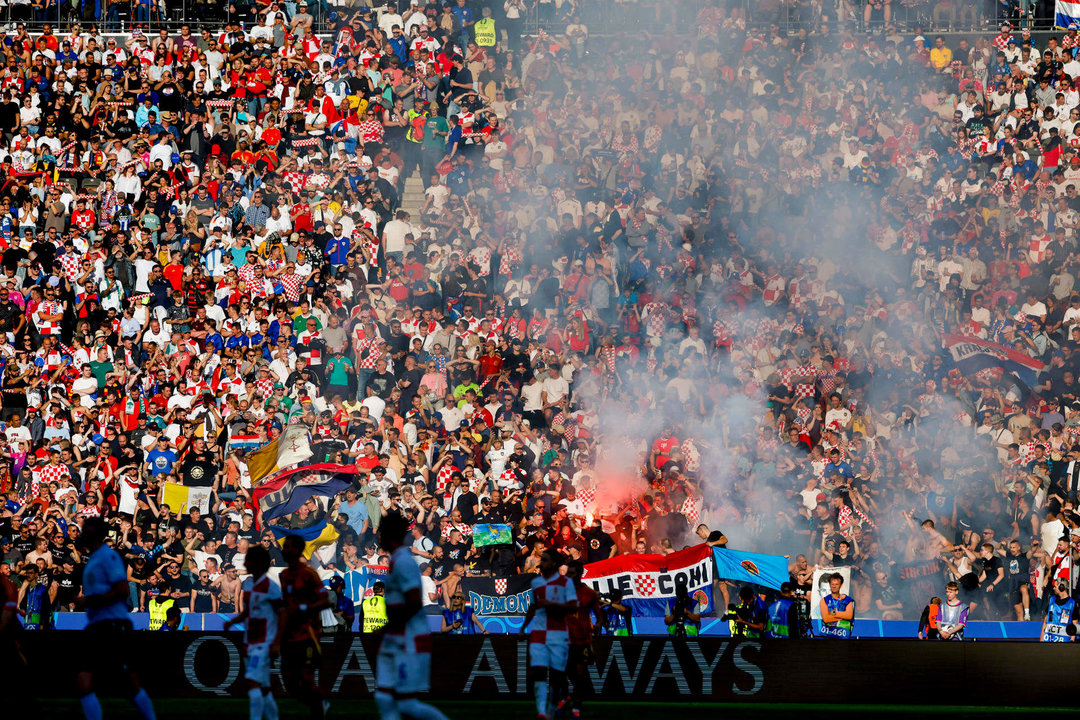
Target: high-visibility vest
(416, 126)
(374, 613)
(158, 611)
(484, 32)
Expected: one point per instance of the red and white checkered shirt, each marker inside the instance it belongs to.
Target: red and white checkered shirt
(70, 264)
(481, 257)
(372, 131)
(293, 284)
(84, 220)
(295, 180)
(373, 347)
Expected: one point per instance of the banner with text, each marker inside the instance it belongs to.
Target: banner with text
(498, 596)
(647, 582)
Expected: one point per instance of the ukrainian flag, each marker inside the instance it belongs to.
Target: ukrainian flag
(316, 536)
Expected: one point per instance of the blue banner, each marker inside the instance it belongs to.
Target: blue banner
(740, 566)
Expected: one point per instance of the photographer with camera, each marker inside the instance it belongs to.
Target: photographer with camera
(1059, 625)
(617, 616)
(680, 618)
(747, 619)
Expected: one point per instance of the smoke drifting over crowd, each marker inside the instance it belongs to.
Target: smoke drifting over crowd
(823, 223)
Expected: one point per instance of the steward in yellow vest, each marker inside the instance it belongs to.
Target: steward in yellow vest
(373, 610)
(484, 30)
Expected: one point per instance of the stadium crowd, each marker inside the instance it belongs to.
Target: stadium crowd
(654, 289)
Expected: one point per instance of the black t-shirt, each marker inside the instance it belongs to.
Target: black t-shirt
(465, 503)
(203, 597)
(1016, 569)
(68, 586)
(598, 544)
(991, 567)
(180, 584)
(199, 469)
(13, 256)
(382, 383)
(454, 554)
(463, 76)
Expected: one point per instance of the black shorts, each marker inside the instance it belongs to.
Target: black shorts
(300, 657)
(1012, 590)
(107, 647)
(579, 658)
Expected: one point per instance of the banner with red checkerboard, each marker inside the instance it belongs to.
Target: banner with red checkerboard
(648, 582)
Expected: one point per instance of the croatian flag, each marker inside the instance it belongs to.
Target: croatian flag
(1067, 13)
(244, 442)
(971, 355)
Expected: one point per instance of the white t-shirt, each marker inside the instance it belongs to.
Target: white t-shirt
(394, 235)
(531, 396)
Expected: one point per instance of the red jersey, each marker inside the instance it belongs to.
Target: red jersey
(301, 587)
(579, 623)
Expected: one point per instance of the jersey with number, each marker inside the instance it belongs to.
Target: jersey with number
(405, 576)
(550, 627)
(262, 598)
(1059, 615)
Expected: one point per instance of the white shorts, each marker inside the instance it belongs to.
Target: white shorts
(257, 666)
(549, 655)
(399, 671)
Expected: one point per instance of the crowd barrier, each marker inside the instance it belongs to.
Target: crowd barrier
(710, 627)
(195, 664)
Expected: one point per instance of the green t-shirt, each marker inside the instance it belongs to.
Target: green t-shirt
(460, 390)
(299, 323)
(433, 125)
(339, 371)
(100, 370)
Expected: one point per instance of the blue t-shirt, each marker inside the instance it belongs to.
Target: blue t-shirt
(103, 570)
(161, 461)
(358, 514)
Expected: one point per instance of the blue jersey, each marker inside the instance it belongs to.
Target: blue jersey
(1059, 615)
(778, 614)
(616, 622)
(840, 628)
(464, 616)
(38, 612)
(103, 570)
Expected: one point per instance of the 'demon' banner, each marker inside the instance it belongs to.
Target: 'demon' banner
(499, 596)
(647, 582)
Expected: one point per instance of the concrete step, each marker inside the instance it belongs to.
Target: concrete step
(412, 198)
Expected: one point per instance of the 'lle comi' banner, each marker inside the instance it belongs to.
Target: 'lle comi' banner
(647, 582)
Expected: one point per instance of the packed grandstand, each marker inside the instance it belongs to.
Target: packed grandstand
(805, 289)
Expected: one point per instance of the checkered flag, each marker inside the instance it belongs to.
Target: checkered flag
(645, 585)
